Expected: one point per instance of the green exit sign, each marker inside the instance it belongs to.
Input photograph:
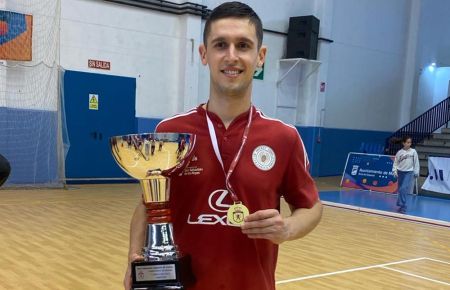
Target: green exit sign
(259, 73)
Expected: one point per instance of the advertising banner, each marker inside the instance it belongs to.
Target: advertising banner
(369, 172)
(438, 179)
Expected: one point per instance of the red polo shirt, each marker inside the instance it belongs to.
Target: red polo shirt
(273, 164)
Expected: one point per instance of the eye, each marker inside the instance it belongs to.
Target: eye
(220, 44)
(243, 45)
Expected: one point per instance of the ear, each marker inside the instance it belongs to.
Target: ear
(202, 52)
(262, 55)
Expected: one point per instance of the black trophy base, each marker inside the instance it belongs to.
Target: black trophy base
(162, 275)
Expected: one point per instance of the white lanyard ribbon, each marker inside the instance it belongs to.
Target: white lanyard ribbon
(213, 136)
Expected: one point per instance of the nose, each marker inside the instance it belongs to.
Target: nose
(232, 53)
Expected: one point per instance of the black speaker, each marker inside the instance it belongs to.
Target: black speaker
(303, 37)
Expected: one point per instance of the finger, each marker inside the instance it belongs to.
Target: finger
(266, 230)
(273, 225)
(259, 223)
(261, 215)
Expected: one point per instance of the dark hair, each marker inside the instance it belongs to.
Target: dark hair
(234, 10)
(398, 140)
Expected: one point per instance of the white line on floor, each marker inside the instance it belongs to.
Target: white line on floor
(417, 276)
(347, 271)
(439, 261)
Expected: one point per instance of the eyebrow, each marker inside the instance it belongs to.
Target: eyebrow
(244, 39)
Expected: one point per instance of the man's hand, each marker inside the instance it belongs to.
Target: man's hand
(395, 174)
(127, 281)
(266, 224)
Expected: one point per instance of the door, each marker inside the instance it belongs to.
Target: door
(97, 107)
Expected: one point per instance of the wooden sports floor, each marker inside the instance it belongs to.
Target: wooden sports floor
(77, 238)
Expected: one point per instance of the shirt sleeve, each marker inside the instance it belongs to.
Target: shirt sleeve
(395, 165)
(416, 163)
(299, 189)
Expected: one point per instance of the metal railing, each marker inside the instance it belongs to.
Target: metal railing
(421, 127)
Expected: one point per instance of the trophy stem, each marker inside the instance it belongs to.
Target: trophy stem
(156, 198)
(158, 212)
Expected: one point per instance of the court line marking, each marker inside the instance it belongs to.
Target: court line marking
(439, 261)
(417, 276)
(348, 271)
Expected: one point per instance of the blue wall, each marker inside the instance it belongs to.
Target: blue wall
(337, 143)
(327, 148)
(28, 141)
(147, 125)
(312, 137)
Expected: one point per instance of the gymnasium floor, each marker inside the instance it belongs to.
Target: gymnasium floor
(77, 238)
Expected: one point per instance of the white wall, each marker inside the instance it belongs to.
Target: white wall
(365, 73)
(433, 86)
(426, 87)
(441, 85)
(371, 70)
(139, 43)
(161, 50)
(432, 46)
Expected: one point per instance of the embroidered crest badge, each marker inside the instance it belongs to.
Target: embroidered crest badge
(263, 157)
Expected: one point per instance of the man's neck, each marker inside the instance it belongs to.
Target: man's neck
(228, 108)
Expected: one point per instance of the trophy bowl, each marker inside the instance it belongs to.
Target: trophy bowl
(153, 158)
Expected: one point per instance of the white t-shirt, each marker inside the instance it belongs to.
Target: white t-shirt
(406, 160)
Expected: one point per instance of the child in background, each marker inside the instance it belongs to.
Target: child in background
(406, 168)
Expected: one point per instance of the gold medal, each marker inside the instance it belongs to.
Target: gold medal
(236, 214)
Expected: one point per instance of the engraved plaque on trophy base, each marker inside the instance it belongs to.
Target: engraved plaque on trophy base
(162, 275)
(156, 275)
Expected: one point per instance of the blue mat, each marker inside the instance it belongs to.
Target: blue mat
(419, 206)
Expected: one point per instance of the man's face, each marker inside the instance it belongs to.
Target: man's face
(232, 54)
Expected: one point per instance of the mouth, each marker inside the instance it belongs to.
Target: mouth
(231, 72)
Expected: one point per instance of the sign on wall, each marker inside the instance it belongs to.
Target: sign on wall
(93, 102)
(15, 36)
(369, 172)
(438, 179)
(99, 64)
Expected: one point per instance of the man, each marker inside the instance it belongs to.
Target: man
(241, 158)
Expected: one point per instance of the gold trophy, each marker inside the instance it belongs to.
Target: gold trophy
(153, 158)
